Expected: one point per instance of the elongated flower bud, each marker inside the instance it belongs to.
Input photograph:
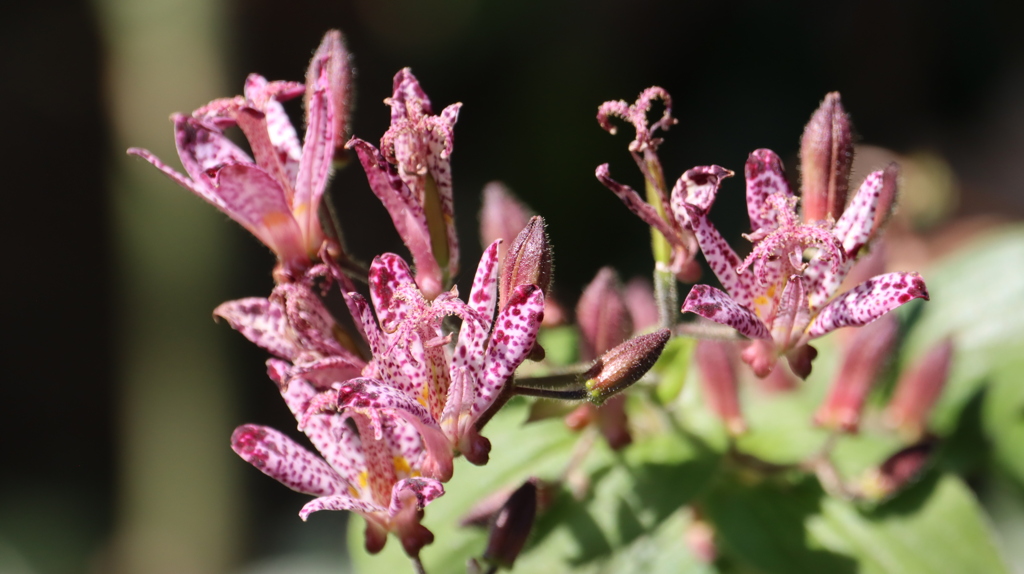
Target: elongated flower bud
(502, 216)
(511, 526)
(622, 366)
(716, 363)
(643, 310)
(528, 261)
(826, 154)
(898, 471)
(866, 354)
(918, 389)
(332, 54)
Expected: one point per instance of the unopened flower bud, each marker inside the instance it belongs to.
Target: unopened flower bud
(898, 471)
(511, 526)
(716, 362)
(502, 216)
(918, 389)
(866, 354)
(622, 366)
(528, 261)
(643, 310)
(332, 54)
(826, 154)
(602, 315)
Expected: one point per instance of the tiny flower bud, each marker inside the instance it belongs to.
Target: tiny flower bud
(332, 54)
(502, 216)
(826, 153)
(898, 471)
(528, 261)
(622, 366)
(918, 389)
(866, 354)
(716, 363)
(602, 315)
(511, 526)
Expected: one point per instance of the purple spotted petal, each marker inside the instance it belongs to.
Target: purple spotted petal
(637, 205)
(282, 459)
(515, 331)
(340, 502)
(323, 373)
(719, 255)
(422, 490)
(203, 150)
(328, 432)
(315, 165)
(715, 305)
(257, 201)
(484, 294)
(283, 137)
(261, 321)
(856, 224)
(388, 274)
(867, 302)
(765, 176)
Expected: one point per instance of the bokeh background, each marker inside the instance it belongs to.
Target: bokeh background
(120, 393)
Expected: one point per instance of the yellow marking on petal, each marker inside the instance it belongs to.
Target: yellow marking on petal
(300, 210)
(424, 397)
(363, 479)
(771, 291)
(402, 467)
(353, 492)
(276, 219)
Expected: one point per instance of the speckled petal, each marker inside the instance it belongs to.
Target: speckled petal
(328, 432)
(715, 305)
(261, 321)
(325, 372)
(867, 302)
(765, 176)
(515, 332)
(257, 201)
(637, 205)
(856, 224)
(388, 274)
(424, 490)
(315, 165)
(793, 299)
(339, 502)
(484, 294)
(282, 459)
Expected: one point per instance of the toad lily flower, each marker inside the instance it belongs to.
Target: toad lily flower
(411, 175)
(674, 244)
(416, 377)
(276, 196)
(374, 472)
(784, 302)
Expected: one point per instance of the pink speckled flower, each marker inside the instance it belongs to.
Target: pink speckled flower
(372, 470)
(417, 377)
(276, 196)
(656, 211)
(774, 296)
(411, 175)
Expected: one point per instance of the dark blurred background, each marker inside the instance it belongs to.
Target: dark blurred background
(121, 393)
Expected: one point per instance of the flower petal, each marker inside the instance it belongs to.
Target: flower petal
(515, 332)
(715, 305)
(867, 302)
(856, 224)
(282, 459)
(422, 490)
(328, 432)
(315, 163)
(792, 301)
(262, 321)
(257, 201)
(340, 502)
(388, 274)
(765, 176)
(638, 206)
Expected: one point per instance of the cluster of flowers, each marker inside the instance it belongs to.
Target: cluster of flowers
(389, 408)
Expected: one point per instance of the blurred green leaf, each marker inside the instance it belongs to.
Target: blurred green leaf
(778, 526)
(561, 344)
(672, 366)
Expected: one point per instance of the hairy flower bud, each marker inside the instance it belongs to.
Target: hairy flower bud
(918, 389)
(511, 526)
(332, 54)
(716, 363)
(528, 261)
(622, 366)
(866, 354)
(898, 471)
(826, 154)
(502, 216)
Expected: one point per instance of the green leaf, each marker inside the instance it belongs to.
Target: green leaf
(672, 367)
(778, 526)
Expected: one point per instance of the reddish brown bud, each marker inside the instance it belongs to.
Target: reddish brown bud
(622, 366)
(528, 261)
(918, 389)
(866, 354)
(502, 216)
(511, 526)
(602, 315)
(716, 361)
(826, 154)
(332, 54)
(898, 471)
